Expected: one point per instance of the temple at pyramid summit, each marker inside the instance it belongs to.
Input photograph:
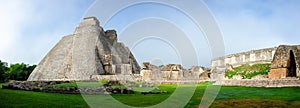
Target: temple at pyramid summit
(88, 51)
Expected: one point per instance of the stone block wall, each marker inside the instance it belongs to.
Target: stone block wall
(125, 69)
(278, 73)
(262, 83)
(286, 62)
(221, 64)
(249, 57)
(172, 75)
(56, 64)
(114, 77)
(173, 72)
(146, 75)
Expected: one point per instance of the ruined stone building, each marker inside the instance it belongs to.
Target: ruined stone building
(150, 72)
(284, 61)
(250, 57)
(221, 64)
(92, 53)
(88, 51)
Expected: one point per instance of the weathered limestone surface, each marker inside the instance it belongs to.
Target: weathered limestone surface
(151, 72)
(55, 64)
(204, 75)
(84, 60)
(117, 77)
(284, 59)
(88, 51)
(172, 72)
(221, 64)
(262, 83)
(197, 70)
(260, 77)
(249, 57)
(146, 75)
(286, 62)
(278, 73)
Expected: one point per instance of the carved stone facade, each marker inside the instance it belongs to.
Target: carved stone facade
(88, 51)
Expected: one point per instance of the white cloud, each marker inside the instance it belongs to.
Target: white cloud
(29, 29)
(13, 14)
(249, 25)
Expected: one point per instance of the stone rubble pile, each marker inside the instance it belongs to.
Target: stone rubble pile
(49, 86)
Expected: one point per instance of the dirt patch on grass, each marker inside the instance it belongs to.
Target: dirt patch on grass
(199, 98)
(254, 103)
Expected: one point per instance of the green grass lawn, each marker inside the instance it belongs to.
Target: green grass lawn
(18, 98)
(227, 97)
(139, 99)
(251, 97)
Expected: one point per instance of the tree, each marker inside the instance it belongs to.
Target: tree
(3, 69)
(29, 70)
(20, 71)
(15, 71)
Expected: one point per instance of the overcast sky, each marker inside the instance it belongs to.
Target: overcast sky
(30, 28)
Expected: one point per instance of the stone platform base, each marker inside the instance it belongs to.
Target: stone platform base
(289, 82)
(178, 81)
(114, 77)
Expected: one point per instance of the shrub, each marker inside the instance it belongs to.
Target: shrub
(247, 71)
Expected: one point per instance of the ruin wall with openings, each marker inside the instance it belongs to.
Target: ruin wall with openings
(221, 64)
(250, 57)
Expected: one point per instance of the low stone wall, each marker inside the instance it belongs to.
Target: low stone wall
(261, 83)
(178, 81)
(114, 77)
(41, 86)
(49, 86)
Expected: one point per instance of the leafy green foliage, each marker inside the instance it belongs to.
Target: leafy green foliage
(3, 69)
(247, 71)
(15, 71)
(20, 71)
(103, 81)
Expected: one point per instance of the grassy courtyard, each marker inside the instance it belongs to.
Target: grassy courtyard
(227, 97)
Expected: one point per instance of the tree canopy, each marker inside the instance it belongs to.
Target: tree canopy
(3, 70)
(18, 71)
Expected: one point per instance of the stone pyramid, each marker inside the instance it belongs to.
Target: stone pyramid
(88, 51)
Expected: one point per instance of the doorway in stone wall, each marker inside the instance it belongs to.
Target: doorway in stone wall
(292, 67)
